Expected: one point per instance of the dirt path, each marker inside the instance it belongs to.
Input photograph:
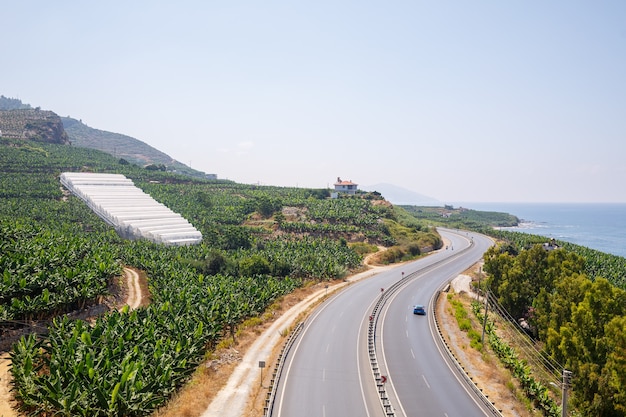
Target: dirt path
(5, 395)
(134, 299)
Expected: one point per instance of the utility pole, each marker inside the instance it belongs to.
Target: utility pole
(567, 379)
(485, 318)
(480, 277)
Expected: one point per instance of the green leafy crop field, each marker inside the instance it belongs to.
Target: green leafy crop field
(259, 243)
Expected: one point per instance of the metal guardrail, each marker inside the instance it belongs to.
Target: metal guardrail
(371, 341)
(387, 407)
(278, 368)
(462, 371)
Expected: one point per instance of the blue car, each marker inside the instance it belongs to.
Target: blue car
(419, 309)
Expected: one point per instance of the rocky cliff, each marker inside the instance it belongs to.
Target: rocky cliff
(34, 124)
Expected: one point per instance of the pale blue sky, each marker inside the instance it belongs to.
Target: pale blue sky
(506, 101)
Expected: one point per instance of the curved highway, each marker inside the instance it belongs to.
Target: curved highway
(421, 379)
(327, 372)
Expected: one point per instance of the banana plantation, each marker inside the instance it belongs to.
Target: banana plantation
(58, 257)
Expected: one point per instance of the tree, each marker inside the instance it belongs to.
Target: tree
(518, 280)
(214, 262)
(614, 372)
(253, 266)
(588, 343)
(553, 310)
(497, 263)
(581, 322)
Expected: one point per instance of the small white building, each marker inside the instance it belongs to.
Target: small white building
(346, 187)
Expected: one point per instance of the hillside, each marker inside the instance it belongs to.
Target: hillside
(21, 121)
(32, 124)
(124, 147)
(7, 103)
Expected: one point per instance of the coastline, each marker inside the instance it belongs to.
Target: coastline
(596, 226)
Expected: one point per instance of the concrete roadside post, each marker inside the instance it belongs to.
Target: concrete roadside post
(261, 365)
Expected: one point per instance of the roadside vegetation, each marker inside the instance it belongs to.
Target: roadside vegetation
(596, 263)
(461, 218)
(259, 243)
(578, 322)
(573, 302)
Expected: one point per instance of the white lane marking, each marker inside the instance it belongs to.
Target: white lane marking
(296, 346)
(407, 333)
(427, 384)
(383, 315)
(324, 375)
(412, 354)
(327, 347)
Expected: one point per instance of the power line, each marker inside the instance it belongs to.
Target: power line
(514, 330)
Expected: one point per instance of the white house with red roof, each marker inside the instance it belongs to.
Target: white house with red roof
(347, 187)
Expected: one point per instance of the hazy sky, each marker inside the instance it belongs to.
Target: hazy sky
(501, 101)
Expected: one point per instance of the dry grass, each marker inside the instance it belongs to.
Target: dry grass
(484, 368)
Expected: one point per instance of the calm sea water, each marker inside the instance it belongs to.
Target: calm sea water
(597, 226)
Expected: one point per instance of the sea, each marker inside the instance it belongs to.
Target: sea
(600, 226)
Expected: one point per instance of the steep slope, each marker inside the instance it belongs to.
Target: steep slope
(124, 147)
(21, 121)
(33, 124)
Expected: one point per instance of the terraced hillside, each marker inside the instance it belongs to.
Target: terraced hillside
(125, 147)
(34, 124)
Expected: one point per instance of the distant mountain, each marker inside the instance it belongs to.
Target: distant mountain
(401, 196)
(7, 103)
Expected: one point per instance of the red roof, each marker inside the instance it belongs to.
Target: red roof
(341, 182)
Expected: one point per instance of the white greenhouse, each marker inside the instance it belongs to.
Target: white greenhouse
(133, 213)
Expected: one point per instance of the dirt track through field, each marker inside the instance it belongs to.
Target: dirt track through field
(5, 408)
(134, 289)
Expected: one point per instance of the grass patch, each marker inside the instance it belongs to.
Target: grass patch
(465, 324)
(363, 248)
(251, 322)
(225, 344)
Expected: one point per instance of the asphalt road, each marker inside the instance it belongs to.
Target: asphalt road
(327, 372)
(420, 379)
